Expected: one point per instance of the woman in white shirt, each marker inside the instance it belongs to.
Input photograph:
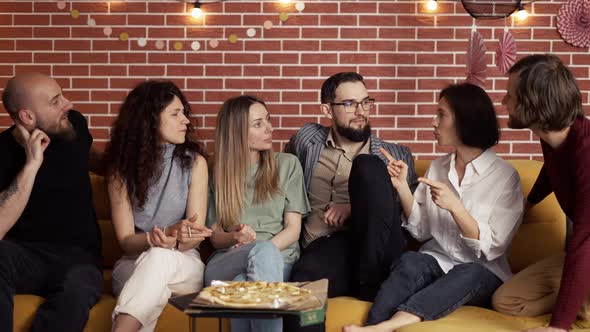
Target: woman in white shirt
(468, 206)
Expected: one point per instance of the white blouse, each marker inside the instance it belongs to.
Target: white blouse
(491, 193)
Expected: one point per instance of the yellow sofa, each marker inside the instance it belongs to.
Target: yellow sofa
(541, 234)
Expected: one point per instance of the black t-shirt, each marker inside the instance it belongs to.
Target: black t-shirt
(60, 209)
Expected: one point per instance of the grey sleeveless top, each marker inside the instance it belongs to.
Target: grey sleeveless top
(167, 198)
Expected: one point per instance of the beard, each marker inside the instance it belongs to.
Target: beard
(515, 123)
(352, 134)
(58, 132)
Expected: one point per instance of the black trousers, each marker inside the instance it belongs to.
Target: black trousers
(68, 277)
(357, 261)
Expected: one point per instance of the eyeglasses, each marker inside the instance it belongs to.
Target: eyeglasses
(351, 106)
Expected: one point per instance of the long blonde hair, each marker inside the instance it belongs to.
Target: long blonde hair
(232, 162)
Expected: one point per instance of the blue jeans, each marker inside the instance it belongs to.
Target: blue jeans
(417, 284)
(260, 260)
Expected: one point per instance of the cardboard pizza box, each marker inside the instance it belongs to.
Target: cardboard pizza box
(310, 311)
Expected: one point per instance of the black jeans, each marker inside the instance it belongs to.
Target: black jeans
(376, 234)
(419, 286)
(68, 277)
(357, 261)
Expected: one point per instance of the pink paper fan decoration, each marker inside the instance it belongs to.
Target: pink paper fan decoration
(506, 52)
(573, 22)
(476, 60)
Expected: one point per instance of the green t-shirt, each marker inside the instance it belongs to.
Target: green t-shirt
(266, 218)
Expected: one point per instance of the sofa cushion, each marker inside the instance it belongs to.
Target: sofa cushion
(25, 307)
(100, 197)
(111, 251)
(343, 311)
(543, 229)
(107, 277)
(466, 318)
(99, 319)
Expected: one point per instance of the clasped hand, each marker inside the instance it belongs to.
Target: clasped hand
(336, 214)
(182, 232)
(242, 234)
(188, 230)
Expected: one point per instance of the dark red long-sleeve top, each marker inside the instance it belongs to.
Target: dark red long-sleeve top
(566, 172)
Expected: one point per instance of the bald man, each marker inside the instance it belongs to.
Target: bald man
(49, 237)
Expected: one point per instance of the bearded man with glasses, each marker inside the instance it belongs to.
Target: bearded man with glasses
(349, 237)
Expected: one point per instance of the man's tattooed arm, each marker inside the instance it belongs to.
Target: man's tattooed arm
(14, 199)
(9, 192)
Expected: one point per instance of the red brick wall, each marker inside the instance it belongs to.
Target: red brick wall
(405, 54)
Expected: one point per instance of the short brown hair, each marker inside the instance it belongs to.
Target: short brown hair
(328, 92)
(547, 93)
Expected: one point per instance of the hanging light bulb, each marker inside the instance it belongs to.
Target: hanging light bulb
(431, 5)
(197, 11)
(522, 14)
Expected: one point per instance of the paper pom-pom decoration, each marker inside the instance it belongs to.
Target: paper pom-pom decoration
(476, 60)
(506, 52)
(573, 22)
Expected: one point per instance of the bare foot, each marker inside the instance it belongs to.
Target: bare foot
(356, 328)
(399, 319)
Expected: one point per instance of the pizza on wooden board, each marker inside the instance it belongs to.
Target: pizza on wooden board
(254, 294)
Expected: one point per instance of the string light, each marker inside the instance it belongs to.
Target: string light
(522, 14)
(197, 11)
(431, 5)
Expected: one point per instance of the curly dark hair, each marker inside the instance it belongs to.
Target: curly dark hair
(134, 155)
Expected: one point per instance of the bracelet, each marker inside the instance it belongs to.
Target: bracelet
(149, 240)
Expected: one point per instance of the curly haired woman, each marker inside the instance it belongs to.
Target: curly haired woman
(157, 184)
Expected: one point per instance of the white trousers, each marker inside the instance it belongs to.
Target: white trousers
(145, 283)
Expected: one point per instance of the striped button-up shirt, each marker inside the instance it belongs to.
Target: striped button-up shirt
(309, 143)
(329, 184)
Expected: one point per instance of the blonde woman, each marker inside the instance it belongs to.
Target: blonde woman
(258, 201)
